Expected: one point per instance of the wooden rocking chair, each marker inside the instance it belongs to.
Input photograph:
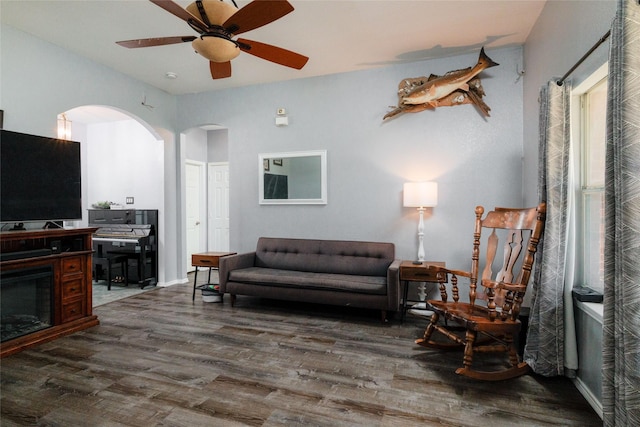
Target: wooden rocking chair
(490, 319)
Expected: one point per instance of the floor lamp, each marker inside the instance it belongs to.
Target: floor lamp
(420, 195)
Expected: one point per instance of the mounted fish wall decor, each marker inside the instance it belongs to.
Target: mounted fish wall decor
(456, 87)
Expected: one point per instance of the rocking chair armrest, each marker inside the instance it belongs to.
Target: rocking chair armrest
(513, 287)
(435, 269)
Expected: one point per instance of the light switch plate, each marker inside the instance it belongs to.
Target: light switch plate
(282, 121)
(129, 200)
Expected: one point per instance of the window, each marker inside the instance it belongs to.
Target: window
(593, 106)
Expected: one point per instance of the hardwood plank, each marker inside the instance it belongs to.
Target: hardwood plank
(158, 358)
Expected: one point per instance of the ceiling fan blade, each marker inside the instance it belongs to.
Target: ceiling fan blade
(256, 14)
(181, 13)
(157, 41)
(220, 70)
(273, 53)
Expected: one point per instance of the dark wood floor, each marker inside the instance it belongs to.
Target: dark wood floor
(159, 359)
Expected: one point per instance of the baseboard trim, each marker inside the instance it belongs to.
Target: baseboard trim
(589, 396)
(173, 282)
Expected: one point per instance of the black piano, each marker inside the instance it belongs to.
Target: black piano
(130, 232)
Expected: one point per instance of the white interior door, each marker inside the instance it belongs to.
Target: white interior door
(194, 179)
(218, 207)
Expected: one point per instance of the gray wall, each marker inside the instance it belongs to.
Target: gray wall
(565, 31)
(474, 160)
(196, 144)
(218, 145)
(368, 160)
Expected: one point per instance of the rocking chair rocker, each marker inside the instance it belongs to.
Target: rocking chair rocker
(489, 325)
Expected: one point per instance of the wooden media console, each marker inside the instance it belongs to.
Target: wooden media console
(45, 277)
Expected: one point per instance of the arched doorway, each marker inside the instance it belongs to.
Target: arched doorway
(123, 163)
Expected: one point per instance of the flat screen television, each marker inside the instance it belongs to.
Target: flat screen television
(40, 178)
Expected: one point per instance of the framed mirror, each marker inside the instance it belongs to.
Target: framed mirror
(293, 178)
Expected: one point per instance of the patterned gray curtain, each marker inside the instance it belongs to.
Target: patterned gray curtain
(544, 351)
(621, 334)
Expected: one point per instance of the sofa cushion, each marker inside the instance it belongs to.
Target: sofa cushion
(325, 256)
(310, 280)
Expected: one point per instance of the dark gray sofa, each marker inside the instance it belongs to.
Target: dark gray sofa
(338, 272)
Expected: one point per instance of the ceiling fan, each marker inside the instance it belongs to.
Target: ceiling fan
(217, 23)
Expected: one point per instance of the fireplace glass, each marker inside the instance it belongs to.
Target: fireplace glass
(25, 301)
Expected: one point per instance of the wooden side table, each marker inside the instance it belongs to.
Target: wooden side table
(206, 259)
(415, 273)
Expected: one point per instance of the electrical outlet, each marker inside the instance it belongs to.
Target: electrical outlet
(129, 200)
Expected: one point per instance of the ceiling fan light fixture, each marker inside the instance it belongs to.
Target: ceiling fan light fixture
(217, 23)
(216, 49)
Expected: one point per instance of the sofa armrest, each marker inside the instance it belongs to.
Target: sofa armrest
(393, 284)
(234, 262)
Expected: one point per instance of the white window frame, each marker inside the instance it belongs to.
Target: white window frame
(580, 136)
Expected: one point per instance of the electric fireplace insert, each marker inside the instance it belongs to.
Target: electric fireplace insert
(26, 303)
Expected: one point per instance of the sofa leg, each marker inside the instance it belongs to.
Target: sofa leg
(233, 299)
(383, 313)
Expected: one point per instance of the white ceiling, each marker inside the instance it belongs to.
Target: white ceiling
(337, 36)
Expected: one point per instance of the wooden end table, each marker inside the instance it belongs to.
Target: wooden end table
(206, 259)
(415, 273)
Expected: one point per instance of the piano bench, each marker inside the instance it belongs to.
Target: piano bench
(106, 261)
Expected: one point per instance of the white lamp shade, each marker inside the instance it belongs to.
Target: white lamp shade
(420, 194)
